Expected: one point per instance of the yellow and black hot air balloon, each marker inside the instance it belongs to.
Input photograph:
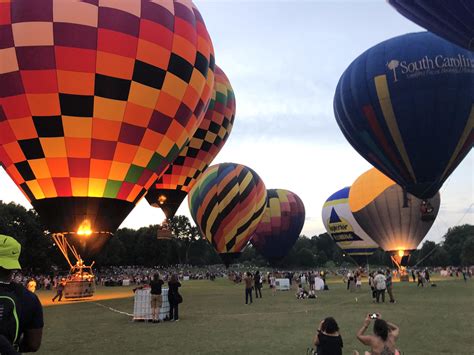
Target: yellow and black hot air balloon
(377, 204)
(227, 203)
(172, 187)
(96, 100)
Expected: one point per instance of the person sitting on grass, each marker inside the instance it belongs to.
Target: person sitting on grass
(301, 293)
(384, 338)
(327, 340)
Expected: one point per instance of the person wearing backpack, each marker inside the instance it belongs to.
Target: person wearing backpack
(21, 322)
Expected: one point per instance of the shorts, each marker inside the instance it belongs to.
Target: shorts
(156, 301)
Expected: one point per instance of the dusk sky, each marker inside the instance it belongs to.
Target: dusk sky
(284, 59)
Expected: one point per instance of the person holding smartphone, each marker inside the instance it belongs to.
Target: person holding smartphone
(384, 338)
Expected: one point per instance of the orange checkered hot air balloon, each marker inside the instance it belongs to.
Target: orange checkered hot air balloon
(97, 98)
(172, 187)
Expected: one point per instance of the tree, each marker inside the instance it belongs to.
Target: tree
(305, 257)
(454, 240)
(426, 252)
(467, 255)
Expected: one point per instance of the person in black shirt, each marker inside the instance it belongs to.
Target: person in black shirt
(156, 300)
(28, 306)
(258, 284)
(174, 297)
(327, 340)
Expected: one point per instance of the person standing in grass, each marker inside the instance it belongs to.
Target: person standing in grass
(420, 279)
(248, 287)
(258, 284)
(174, 298)
(273, 283)
(389, 284)
(380, 285)
(327, 340)
(156, 300)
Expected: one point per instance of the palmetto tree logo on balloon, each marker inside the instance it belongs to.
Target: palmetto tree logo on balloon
(393, 65)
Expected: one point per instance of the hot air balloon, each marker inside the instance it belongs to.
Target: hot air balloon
(344, 230)
(406, 105)
(377, 203)
(172, 187)
(227, 203)
(280, 225)
(95, 102)
(452, 20)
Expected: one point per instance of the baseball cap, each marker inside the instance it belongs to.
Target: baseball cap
(9, 253)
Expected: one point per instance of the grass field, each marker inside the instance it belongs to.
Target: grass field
(215, 320)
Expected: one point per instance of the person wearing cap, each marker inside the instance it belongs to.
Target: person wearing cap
(29, 309)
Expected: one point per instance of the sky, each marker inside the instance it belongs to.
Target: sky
(284, 59)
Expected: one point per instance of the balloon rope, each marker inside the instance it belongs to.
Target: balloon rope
(431, 252)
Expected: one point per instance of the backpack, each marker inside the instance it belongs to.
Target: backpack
(10, 311)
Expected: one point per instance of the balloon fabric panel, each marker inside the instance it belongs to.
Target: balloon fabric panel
(451, 20)
(386, 221)
(406, 105)
(344, 229)
(103, 125)
(203, 147)
(280, 225)
(101, 100)
(227, 202)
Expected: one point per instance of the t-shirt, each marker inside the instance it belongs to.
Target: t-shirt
(30, 311)
(379, 281)
(248, 281)
(156, 287)
(329, 345)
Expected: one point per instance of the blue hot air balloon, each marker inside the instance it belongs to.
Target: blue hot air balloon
(406, 105)
(452, 20)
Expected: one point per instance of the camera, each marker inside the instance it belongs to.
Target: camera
(373, 316)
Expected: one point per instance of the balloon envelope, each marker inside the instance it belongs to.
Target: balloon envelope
(343, 228)
(227, 203)
(98, 102)
(377, 202)
(406, 105)
(280, 225)
(452, 20)
(172, 187)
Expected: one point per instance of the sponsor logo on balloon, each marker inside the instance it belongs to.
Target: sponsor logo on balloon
(340, 229)
(431, 66)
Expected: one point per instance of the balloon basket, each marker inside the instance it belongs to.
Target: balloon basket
(404, 278)
(75, 289)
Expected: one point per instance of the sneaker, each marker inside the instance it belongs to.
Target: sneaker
(176, 320)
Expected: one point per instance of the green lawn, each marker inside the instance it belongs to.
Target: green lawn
(215, 320)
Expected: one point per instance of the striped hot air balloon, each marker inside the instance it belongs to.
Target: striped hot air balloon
(97, 98)
(406, 105)
(280, 225)
(172, 187)
(377, 204)
(227, 203)
(343, 228)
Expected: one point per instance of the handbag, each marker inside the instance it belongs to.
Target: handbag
(179, 298)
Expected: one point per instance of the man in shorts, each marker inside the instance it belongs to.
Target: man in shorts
(156, 300)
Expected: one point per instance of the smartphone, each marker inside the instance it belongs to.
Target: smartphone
(373, 316)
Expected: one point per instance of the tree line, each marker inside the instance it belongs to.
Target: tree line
(142, 247)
